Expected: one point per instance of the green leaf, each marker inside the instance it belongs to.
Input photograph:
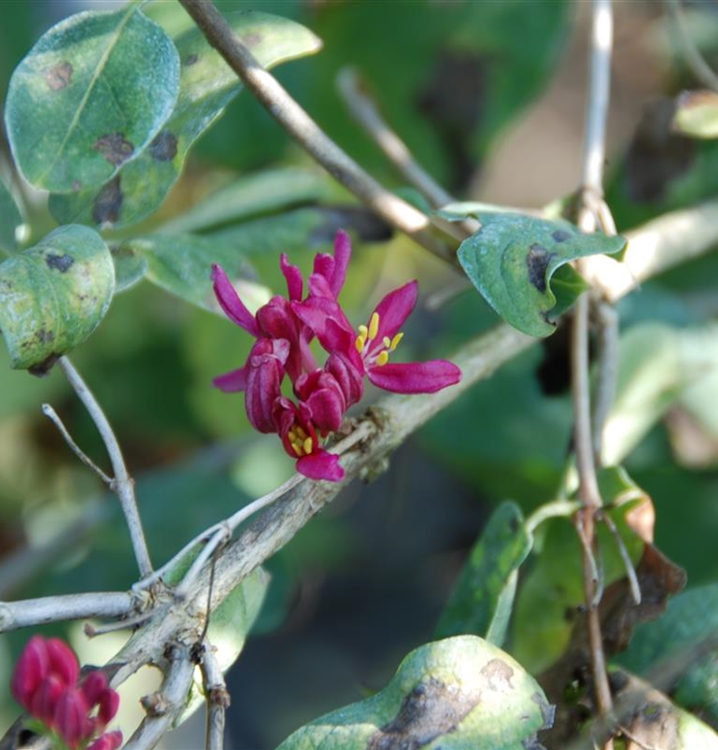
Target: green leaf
(207, 85)
(483, 598)
(181, 264)
(53, 296)
(512, 259)
(697, 114)
(10, 219)
(456, 694)
(683, 637)
(266, 191)
(89, 97)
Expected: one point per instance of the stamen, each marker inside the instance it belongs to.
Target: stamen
(307, 446)
(359, 344)
(373, 326)
(386, 341)
(395, 341)
(363, 332)
(382, 358)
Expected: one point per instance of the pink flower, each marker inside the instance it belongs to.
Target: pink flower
(46, 682)
(284, 328)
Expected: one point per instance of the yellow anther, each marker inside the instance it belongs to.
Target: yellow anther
(395, 341)
(359, 344)
(363, 332)
(386, 341)
(299, 432)
(383, 358)
(373, 326)
(307, 445)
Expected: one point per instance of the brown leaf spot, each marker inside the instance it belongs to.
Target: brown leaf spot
(107, 205)
(561, 235)
(498, 674)
(61, 263)
(537, 260)
(44, 367)
(164, 146)
(59, 76)
(114, 147)
(191, 59)
(430, 710)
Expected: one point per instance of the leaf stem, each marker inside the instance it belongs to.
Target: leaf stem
(122, 482)
(274, 97)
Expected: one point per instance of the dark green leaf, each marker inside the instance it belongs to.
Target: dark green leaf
(697, 114)
(483, 598)
(10, 219)
(457, 693)
(89, 97)
(685, 639)
(511, 261)
(207, 85)
(53, 296)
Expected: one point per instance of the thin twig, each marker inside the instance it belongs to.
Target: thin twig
(625, 557)
(272, 95)
(122, 483)
(53, 416)
(217, 696)
(164, 707)
(30, 612)
(591, 198)
(691, 54)
(607, 372)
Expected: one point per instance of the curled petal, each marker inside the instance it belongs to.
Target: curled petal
(31, 669)
(232, 382)
(94, 686)
(263, 389)
(415, 377)
(349, 374)
(230, 302)
(325, 399)
(395, 308)
(295, 282)
(109, 703)
(321, 465)
(324, 267)
(342, 254)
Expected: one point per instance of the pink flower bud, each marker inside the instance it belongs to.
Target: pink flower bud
(70, 720)
(93, 686)
(31, 669)
(45, 698)
(109, 703)
(63, 661)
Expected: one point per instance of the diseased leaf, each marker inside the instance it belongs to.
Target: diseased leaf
(482, 600)
(511, 260)
(89, 97)
(697, 114)
(53, 296)
(456, 694)
(10, 219)
(207, 85)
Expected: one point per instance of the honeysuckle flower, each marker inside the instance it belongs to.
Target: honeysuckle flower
(368, 349)
(300, 440)
(284, 328)
(46, 682)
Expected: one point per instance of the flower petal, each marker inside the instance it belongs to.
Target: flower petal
(415, 377)
(31, 669)
(232, 382)
(342, 255)
(395, 308)
(321, 465)
(109, 741)
(63, 661)
(295, 282)
(230, 302)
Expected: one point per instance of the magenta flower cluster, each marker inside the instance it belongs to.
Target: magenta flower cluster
(47, 684)
(284, 329)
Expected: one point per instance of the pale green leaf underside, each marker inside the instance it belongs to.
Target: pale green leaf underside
(10, 219)
(460, 693)
(207, 85)
(512, 258)
(53, 296)
(89, 97)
